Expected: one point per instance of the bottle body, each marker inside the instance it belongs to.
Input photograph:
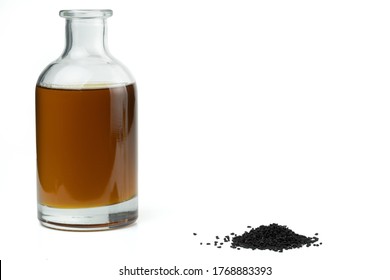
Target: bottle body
(86, 129)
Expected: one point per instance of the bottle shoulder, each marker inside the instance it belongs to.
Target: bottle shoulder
(73, 72)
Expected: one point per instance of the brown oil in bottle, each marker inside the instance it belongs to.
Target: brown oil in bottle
(86, 146)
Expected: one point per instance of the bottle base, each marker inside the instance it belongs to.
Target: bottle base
(89, 219)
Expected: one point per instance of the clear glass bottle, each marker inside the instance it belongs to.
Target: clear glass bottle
(86, 132)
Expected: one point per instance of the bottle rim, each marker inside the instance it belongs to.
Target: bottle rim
(86, 13)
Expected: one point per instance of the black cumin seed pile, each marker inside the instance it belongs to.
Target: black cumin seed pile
(272, 237)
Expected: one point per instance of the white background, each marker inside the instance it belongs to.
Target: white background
(250, 112)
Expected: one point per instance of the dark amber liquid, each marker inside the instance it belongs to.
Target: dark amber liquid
(86, 146)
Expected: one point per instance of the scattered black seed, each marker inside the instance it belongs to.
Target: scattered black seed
(273, 237)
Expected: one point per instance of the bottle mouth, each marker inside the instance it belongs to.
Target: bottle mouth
(85, 13)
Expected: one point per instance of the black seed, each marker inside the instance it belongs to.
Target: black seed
(194, 233)
(201, 243)
(272, 237)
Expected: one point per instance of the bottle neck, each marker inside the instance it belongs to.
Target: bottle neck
(86, 37)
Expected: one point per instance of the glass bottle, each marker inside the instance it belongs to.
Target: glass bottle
(86, 132)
